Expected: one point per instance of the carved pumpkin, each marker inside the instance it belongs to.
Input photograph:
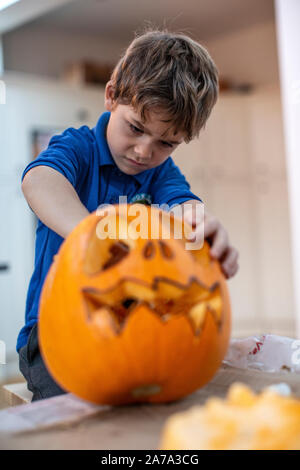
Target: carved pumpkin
(132, 319)
(243, 421)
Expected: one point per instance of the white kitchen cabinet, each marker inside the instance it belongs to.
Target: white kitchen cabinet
(266, 133)
(272, 211)
(274, 257)
(227, 138)
(238, 168)
(233, 203)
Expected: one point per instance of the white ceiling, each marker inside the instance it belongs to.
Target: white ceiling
(117, 19)
(26, 10)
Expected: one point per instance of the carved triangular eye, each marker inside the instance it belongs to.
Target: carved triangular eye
(165, 250)
(104, 254)
(117, 252)
(149, 250)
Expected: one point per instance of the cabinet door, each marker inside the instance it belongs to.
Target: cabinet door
(232, 203)
(6, 264)
(7, 137)
(266, 133)
(227, 138)
(270, 197)
(16, 261)
(237, 166)
(274, 256)
(193, 161)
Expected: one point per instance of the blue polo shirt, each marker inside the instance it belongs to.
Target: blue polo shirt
(83, 157)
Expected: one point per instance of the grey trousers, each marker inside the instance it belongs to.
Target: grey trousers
(32, 366)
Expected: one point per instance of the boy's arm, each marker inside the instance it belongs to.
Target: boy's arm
(53, 199)
(216, 233)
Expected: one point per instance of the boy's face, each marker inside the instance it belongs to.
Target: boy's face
(136, 146)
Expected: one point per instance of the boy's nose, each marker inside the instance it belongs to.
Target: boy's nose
(142, 152)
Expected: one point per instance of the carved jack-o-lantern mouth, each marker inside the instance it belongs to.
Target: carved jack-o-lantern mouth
(195, 302)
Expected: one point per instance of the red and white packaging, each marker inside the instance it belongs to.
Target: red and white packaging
(269, 353)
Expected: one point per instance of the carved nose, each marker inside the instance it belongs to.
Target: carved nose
(165, 250)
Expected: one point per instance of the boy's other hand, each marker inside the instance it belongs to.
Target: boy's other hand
(217, 237)
(221, 249)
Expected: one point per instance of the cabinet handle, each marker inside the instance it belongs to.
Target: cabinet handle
(4, 267)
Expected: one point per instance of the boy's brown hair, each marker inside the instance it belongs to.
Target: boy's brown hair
(170, 72)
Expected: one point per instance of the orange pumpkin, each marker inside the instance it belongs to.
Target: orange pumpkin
(129, 319)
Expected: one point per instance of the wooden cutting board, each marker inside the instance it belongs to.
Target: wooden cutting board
(66, 422)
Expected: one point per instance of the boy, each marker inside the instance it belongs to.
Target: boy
(160, 94)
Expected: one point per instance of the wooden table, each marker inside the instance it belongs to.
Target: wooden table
(136, 426)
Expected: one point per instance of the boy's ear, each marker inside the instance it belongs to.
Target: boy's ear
(109, 100)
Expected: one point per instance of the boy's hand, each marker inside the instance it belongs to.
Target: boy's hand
(221, 249)
(217, 237)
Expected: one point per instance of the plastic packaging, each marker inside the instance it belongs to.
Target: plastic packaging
(269, 353)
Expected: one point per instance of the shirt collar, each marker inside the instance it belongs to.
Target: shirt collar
(100, 133)
(105, 155)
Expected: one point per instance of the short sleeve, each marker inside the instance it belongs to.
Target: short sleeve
(68, 153)
(170, 186)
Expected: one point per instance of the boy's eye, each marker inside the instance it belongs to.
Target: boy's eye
(166, 144)
(135, 129)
